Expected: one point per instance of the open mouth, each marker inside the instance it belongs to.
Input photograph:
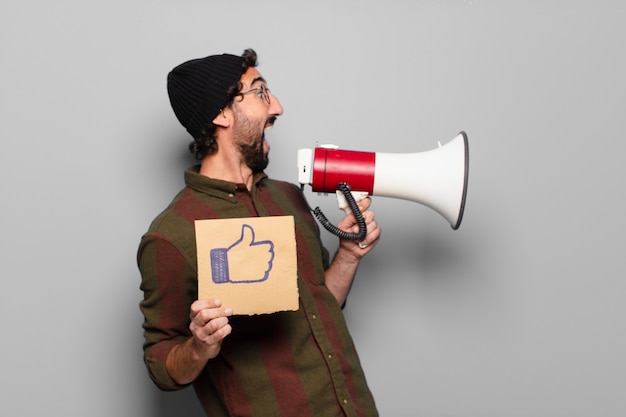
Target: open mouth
(270, 123)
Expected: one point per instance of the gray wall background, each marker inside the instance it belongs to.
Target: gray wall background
(518, 313)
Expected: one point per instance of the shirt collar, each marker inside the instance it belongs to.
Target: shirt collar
(215, 187)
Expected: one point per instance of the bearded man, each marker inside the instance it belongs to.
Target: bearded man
(292, 363)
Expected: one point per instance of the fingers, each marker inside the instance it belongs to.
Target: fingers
(365, 203)
(206, 304)
(349, 224)
(209, 321)
(373, 233)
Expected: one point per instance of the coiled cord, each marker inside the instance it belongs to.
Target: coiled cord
(354, 207)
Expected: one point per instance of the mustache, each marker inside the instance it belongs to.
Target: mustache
(270, 121)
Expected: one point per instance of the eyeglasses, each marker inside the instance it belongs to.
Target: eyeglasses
(263, 92)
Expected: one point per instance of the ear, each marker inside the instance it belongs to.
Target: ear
(224, 118)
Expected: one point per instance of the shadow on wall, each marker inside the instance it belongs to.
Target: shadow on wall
(176, 404)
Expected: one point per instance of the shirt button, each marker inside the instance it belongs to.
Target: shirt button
(330, 356)
(345, 401)
(231, 195)
(313, 316)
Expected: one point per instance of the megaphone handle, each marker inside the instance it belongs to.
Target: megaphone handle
(354, 208)
(342, 202)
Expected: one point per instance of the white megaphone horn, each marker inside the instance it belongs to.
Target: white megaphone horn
(435, 178)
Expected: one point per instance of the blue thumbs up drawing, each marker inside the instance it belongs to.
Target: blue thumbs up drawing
(254, 260)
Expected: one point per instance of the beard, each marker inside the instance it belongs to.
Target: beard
(253, 155)
(249, 136)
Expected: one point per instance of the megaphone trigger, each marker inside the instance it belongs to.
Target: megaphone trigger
(353, 208)
(342, 202)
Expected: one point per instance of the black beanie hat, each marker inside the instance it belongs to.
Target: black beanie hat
(198, 89)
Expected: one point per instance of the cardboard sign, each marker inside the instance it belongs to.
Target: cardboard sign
(250, 264)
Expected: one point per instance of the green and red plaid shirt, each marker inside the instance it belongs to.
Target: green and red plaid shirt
(292, 364)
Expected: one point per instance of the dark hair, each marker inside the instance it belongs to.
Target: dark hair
(206, 143)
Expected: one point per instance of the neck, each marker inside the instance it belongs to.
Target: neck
(227, 170)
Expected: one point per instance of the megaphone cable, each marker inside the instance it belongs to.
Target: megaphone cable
(354, 207)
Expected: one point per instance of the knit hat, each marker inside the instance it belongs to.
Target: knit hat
(198, 89)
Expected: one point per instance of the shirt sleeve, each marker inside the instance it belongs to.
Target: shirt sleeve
(169, 285)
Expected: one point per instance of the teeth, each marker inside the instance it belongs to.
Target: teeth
(268, 127)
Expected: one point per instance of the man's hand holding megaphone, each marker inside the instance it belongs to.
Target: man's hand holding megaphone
(340, 274)
(349, 224)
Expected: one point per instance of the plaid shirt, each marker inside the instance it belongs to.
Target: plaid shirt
(297, 363)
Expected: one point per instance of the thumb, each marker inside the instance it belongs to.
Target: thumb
(247, 235)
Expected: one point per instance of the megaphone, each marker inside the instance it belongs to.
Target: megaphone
(435, 178)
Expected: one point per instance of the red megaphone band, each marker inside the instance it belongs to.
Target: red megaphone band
(331, 166)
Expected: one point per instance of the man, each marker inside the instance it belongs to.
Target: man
(296, 363)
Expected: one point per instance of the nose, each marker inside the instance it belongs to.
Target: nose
(275, 108)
